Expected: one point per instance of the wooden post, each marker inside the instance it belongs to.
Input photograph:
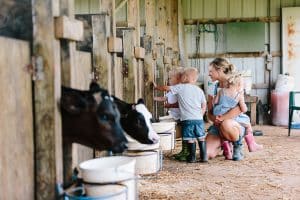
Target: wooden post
(174, 25)
(101, 57)
(48, 144)
(109, 8)
(181, 44)
(130, 67)
(160, 77)
(149, 63)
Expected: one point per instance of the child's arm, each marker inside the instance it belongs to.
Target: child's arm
(160, 99)
(242, 103)
(161, 87)
(172, 105)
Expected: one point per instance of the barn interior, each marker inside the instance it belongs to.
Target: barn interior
(125, 46)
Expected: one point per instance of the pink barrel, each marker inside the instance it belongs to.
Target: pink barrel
(280, 108)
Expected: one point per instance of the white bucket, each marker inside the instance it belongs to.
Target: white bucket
(167, 118)
(136, 146)
(147, 162)
(107, 192)
(164, 127)
(108, 170)
(167, 141)
(104, 169)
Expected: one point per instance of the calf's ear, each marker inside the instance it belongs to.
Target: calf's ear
(72, 103)
(94, 87)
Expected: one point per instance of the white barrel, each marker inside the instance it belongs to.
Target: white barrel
(147, 162)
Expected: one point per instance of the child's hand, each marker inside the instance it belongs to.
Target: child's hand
(219, 119)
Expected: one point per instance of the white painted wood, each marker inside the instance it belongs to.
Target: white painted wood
(291, 43)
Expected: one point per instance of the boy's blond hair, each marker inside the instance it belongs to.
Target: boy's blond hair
(176, 71)
(190, 75)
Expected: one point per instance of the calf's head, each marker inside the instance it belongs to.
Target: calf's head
(135, 120)
(92, 119)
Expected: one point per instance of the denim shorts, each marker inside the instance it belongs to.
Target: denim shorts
(214, 130)
(192, 129)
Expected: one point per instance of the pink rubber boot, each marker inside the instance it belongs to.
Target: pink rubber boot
(227, 150)
(252, 145)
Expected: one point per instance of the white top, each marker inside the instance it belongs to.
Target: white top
(190, 97)
(171, 99)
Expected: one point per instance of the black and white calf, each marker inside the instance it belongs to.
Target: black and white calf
(92, 119)
(136, 121)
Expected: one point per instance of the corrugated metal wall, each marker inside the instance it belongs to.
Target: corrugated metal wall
(211, 39)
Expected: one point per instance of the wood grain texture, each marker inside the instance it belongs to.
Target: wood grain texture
(16, 122)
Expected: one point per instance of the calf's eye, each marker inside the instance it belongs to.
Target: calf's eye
(103, 117)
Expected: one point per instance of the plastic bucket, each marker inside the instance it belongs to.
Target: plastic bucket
(98, 192)
(147, 162)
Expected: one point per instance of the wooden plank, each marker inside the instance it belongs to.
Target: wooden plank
(130, 89)
(68, 51)
(81, 78)
(174, 25)
(48, 144)
(119, 78)
(149, 63)
(226, 20)
(140, 79)
(101, 56)
(162, 22)
(66, 28)
(182, 51)
(160, 78)
(16, 122)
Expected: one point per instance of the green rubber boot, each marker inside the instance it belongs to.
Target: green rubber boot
(183, 154)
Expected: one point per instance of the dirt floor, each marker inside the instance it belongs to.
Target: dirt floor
(273, 173)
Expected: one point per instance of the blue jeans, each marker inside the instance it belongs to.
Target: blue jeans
(192, 129)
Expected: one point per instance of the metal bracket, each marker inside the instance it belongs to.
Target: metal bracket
(36, 68)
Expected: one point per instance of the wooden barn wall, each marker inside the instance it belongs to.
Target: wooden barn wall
(214, 43)
(16, 121)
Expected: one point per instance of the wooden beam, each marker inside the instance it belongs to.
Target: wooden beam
(227, 20)
(182, 51)
(174, 25)
(130, 64)
(101, 57)
(233, 55)
(162, 22)
(67, 28)
(160, 77)
(120, 5)
(68, 50)
(109, 7)
(48, 144)
(149, 63)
